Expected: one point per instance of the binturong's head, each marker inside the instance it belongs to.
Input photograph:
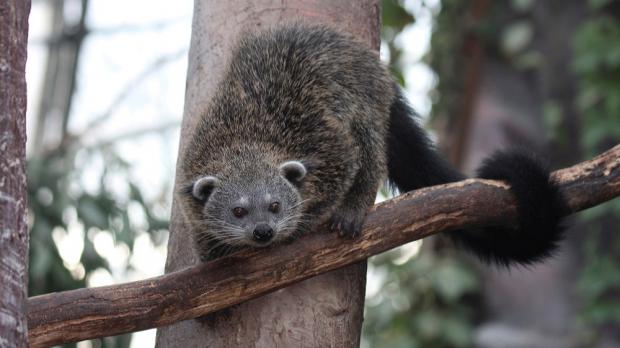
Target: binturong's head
(251, 207)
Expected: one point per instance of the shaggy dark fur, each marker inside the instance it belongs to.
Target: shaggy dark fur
(315, 96)
(413, 163)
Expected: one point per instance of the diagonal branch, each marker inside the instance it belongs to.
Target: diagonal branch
(202, 289)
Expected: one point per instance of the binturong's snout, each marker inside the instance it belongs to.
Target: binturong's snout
(263, 233)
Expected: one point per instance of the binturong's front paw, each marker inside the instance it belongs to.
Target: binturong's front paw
(348, 222)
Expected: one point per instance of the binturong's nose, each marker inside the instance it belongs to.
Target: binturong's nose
(263, 233)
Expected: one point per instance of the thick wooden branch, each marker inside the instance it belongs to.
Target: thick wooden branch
(202, 289)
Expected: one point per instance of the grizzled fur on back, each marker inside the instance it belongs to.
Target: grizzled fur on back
(303, 93)
(304, 126)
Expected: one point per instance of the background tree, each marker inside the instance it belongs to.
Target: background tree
(13, 232)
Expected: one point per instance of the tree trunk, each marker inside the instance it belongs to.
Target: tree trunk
(13, 232)
(325, 311)
(50, 127)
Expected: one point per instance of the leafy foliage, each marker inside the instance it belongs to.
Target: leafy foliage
(58, 205)
(448, 35)
(58, 202)
(599, 285)
(425, 302)
(394, 18)
(421, 298)
(597, 65)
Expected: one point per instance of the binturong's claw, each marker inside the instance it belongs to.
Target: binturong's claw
(347, 223)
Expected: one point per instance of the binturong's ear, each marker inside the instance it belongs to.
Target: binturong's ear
(293, 171)
(203, 187)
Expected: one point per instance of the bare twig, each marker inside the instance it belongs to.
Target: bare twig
(130, 135)
(152, 26)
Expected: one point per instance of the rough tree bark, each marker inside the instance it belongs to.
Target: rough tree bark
(13, 233)
(324, 311)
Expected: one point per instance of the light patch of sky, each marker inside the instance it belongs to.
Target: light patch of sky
(129, 38)
(39, 24)
(138, 49)
(70, 246)
(415, 43)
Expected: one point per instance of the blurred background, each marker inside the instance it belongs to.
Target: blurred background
(106, 82)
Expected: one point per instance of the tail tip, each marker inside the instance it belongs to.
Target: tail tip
(540, 207)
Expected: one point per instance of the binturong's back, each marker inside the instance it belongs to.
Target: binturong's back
(304, 127)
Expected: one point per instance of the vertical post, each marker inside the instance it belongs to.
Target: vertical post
(325, 311)
(13, 231)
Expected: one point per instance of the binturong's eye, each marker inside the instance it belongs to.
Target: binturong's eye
(239, 212)
(274, 207)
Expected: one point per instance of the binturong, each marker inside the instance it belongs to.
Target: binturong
(305, 125)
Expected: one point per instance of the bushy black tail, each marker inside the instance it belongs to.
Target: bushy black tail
(414, 163)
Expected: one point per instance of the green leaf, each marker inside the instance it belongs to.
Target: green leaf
(393, 14)
(453, 281)
(598, 4)
(516, 37)
(91, 213)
